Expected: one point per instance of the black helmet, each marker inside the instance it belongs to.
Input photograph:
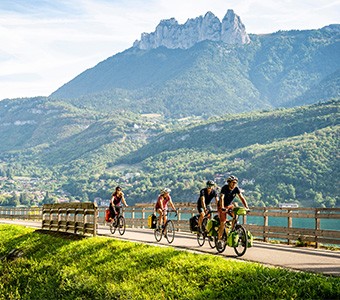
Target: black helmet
(210, 183)
(232, 178)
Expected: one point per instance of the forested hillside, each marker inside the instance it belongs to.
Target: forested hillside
(56, 150)
(281, 156)
(286, 68)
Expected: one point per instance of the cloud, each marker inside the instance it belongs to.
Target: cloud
(51, 42)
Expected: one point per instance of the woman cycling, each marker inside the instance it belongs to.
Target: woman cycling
(117, 198)
(227, 195)
(162, 205)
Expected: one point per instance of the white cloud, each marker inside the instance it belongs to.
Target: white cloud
(47, 43)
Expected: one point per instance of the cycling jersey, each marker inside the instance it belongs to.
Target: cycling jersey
(117, 200)
(207, 197)
(229, 195)
(166, 199)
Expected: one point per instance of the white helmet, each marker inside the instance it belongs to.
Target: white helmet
(165, 190)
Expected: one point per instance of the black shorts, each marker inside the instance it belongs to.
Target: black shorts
(200, 208)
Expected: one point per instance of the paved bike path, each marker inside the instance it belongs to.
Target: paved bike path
(286, 256)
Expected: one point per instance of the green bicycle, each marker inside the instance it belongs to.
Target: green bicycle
(234, 235)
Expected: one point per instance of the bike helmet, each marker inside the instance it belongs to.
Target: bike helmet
(210, 183)
(232, 178)
(165, 190)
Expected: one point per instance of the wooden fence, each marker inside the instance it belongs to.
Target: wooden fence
(81, 220)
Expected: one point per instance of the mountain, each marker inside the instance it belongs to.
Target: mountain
(172, 35)
(281, 155)
(211, 77)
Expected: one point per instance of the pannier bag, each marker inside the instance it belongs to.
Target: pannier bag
(212, 227)
(232, 239)
(107, 215)
(250, 239)
(194, 223)
(152, 220)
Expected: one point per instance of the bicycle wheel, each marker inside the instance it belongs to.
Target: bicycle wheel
(158, 233)
(242, 244)
(113, 226)
(211, 241)
(121, 225)
(169, 231)
(222, 244)
(200, 238)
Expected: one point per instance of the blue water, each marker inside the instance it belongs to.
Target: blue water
(308, 223)
(325, 224)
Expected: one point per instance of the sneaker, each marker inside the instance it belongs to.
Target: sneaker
(219, 244)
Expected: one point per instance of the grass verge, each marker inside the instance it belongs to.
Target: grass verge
(56, 266)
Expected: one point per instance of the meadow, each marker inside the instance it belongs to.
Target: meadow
(62, 266)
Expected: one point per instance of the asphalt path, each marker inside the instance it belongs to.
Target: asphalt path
(279, 255)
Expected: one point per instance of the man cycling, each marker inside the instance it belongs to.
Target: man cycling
(117, 198)
(227, 195)
(162, 205)
(204, 200)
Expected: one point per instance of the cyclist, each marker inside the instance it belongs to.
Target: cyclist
(117, 198)
(162, 205)
(204, 200)
(225, 205)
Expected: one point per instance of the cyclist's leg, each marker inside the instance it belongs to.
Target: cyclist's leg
(223, 218)
(165, 213)
(112, 213)
(160, 216)
(209, 211)
(117, 208)
(201, 216)
(232, 215)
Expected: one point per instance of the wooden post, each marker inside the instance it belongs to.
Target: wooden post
(317, 227)
(95, 219)
(143, 217)
(178, 218)
(290, 225)
(265, 224)
(59, 219)
(133, 217)
(84, 221)
(50, 218)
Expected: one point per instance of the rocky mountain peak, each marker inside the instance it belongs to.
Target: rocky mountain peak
(172, 35)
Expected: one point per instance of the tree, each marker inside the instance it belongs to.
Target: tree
(14, 200)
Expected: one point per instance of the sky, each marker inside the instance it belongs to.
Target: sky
(46, 43)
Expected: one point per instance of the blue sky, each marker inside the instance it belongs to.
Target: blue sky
(46, 43)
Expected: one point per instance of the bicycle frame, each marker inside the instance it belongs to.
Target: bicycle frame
(168, 230)
(241, 244)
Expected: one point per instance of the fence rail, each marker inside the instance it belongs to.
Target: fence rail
(83, 218)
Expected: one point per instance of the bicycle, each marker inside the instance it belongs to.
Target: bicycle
(168, 230)
(202, 235)
(236, 231)
(118, 222)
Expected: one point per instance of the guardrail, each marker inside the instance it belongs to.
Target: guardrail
(72, 220)
(291, 233)
(77, 218)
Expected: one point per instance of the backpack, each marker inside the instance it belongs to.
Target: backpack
(194, 223)
(152, 220)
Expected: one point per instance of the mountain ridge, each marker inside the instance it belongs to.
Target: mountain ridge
(172, 35)
(275, 70)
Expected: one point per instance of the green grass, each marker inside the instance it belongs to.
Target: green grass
(54, 266)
